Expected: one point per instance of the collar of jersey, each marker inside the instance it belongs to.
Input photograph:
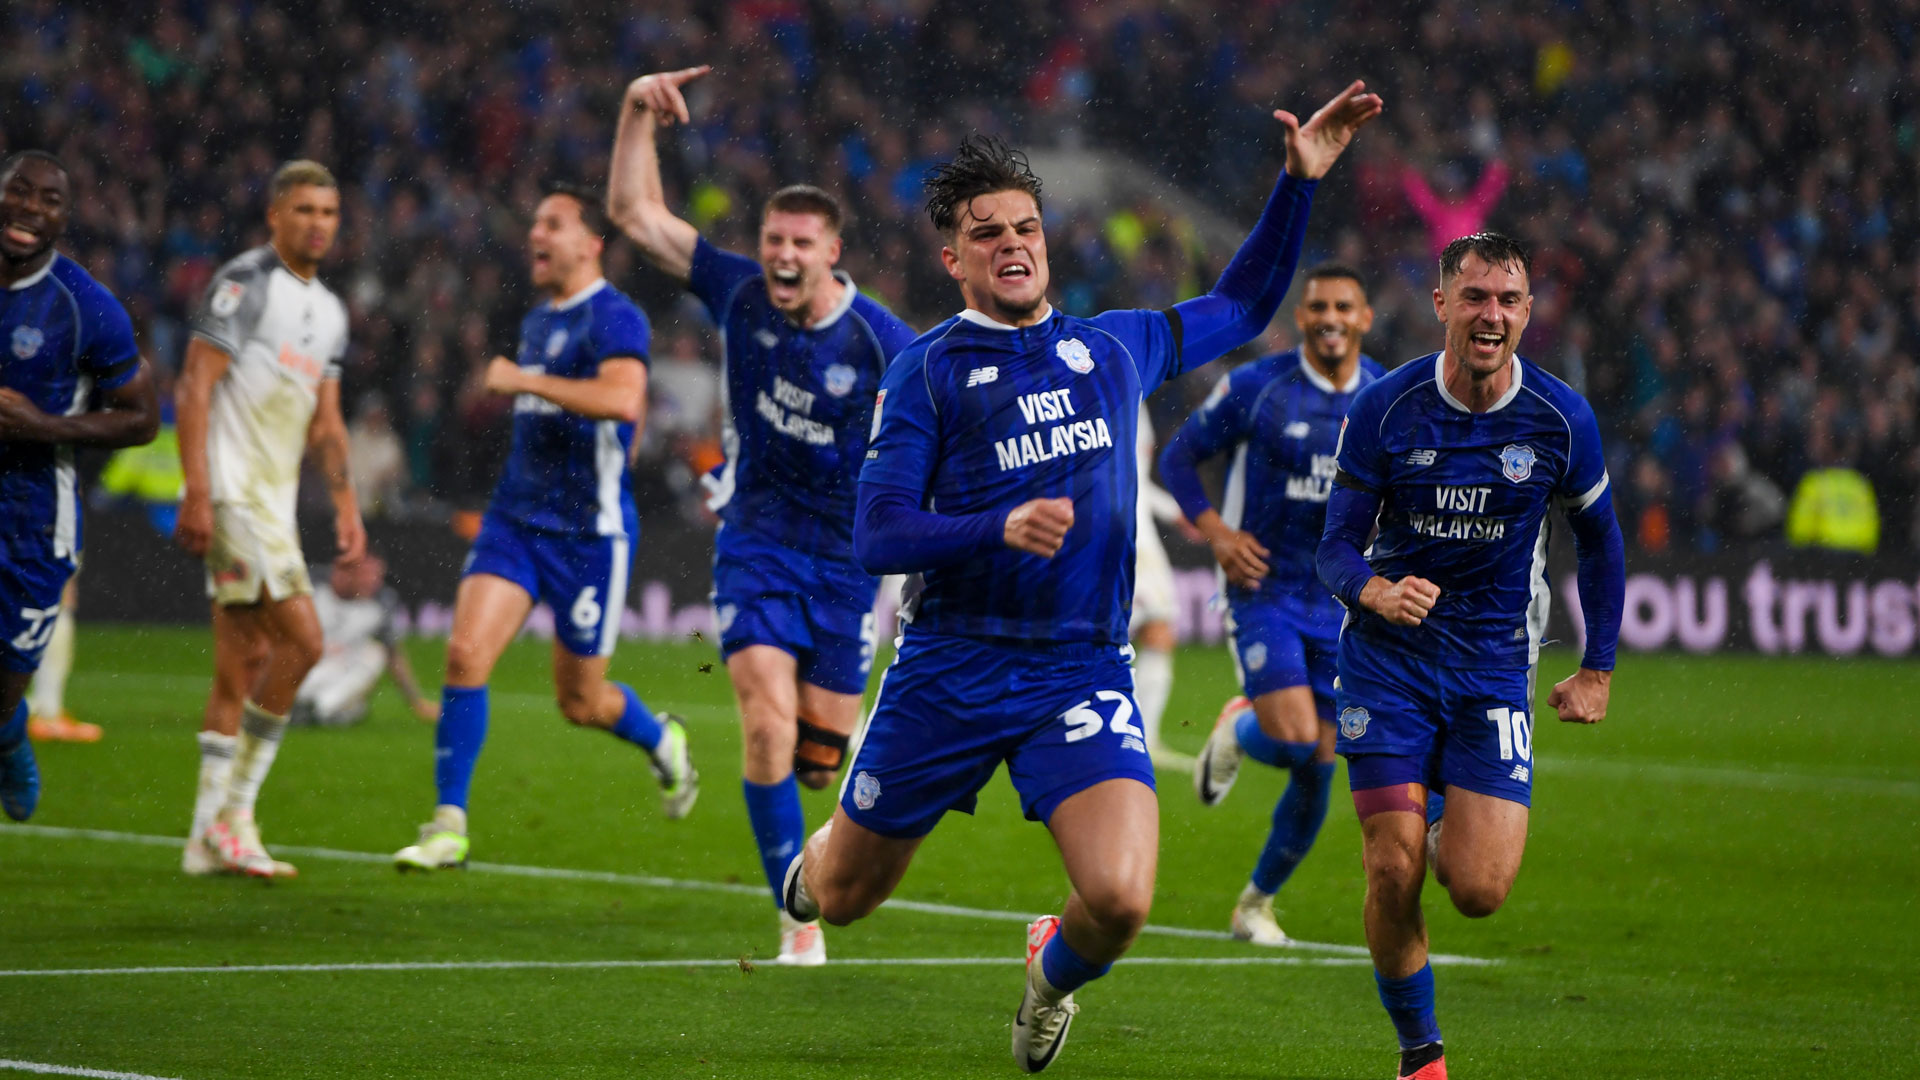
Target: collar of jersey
(978, 318)
(36, 277)
(847, 296)
(1439, 380)
(1324, 384)
(580, 297)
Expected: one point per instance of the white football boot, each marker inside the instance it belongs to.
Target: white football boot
(1253, 918)
(1218, 765)
(801, 943)
(673, 767)
(197, 859)
(442, 845)
(234, 838)
(1040, 1027)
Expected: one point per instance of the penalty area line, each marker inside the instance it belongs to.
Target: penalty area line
(695, 963)
(73, 1070)
(57, 832)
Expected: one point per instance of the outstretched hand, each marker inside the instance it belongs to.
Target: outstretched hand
(660, 94)
(1314, 146)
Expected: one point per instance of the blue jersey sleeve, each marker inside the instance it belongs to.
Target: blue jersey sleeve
(1361, 459)
(1149, 338)
(715, 274)
(892, 334)
(1220, 422)
(1586, 473)
(108, 352)
(621, 330)
(1602, 573)
(905, 440)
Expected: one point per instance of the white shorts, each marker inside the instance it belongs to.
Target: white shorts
(1154, 596)
(337, 689)
(250, 552)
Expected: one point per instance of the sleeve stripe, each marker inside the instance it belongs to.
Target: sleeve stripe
(1591, 495)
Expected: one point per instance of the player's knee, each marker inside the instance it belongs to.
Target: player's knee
(301, 649)
(466, 666)
(847, 901)
(766, 744)
(576, 704)
(1477, 899)
(1394, 869)
(1119, 909)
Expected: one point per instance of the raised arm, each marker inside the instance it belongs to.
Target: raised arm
(327, 438)
(635, 200)
(1249, 291)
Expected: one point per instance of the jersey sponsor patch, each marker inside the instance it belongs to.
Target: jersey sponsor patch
(840, 379)
(27, 341)
(1516, 462)
(226, 299)
(1074, 353)
(1353, 721)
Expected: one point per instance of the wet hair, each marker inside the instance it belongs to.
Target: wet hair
(1495, 249)
(300, 173)
(982, 165)
(1333, 271)
(15, 160)
(804, 199)
(593, 207)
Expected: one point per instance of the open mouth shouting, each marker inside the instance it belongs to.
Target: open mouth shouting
(1487, 343)
(1014, 272)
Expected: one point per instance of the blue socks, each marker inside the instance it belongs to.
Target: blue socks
(778, 827)
(1066, 970)
(457, 740)
(637, 724)
(1296, 822)
(1266, 749)
(15, 729)
(1409, 1002)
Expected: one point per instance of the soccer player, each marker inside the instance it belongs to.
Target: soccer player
(1457, 457)
(804, 356)
(260, 386)
(560, 526)
(1280, 419)
(360, 621)
(72, 377)
(1004, 472)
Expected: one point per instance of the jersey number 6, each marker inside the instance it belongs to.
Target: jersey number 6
(1084, 723)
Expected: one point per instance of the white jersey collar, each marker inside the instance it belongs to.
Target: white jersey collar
(1440, 380)
(979, 318)
(847, 296)
(1324, 384)
(580, 297)
(36, 277)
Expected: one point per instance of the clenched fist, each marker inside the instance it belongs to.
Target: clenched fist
(1039, 526)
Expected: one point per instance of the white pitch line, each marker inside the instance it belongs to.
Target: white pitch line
(608, 877)
(703, 962)
(74, 1070)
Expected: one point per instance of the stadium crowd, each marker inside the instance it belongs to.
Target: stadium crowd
(1724, 261)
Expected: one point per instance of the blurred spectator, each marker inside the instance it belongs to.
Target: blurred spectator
(375, 458)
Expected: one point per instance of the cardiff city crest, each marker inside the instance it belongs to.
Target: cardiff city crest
(27, 341)
(1353, 722)
(866, 790)
(1075, 354)
(839, 379)
(1516, 462)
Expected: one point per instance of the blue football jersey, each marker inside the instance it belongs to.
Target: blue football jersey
(799, 405)
(567, 473)
(1280, 418)
(980, 416)
(66, 335)
(1464, 498)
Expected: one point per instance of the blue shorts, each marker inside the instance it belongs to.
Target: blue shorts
(820, 611)
(952, 709)
(582, 578)
(1274, 649)
(29, 604)
(1404, 721)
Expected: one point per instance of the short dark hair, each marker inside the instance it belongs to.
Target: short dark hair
(1496, 249)
(14, 161)
(593, 206)
(981, 166)
(804, 199)
(1334, 271)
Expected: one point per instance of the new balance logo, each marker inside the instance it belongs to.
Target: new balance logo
(981, 376)
(1422, 457)
(1520, 773)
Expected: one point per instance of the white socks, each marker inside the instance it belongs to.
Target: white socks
(216, 762)
(451, 818)
(254, 751)
(47, 696)
(1152, 685)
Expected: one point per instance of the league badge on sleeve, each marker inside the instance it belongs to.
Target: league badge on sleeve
(226, 299)
(1516, 462)
(1074, 353)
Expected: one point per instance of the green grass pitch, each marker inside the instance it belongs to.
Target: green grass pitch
(1721, 882)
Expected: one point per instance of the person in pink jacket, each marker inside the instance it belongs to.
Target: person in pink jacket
(1448, 218)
